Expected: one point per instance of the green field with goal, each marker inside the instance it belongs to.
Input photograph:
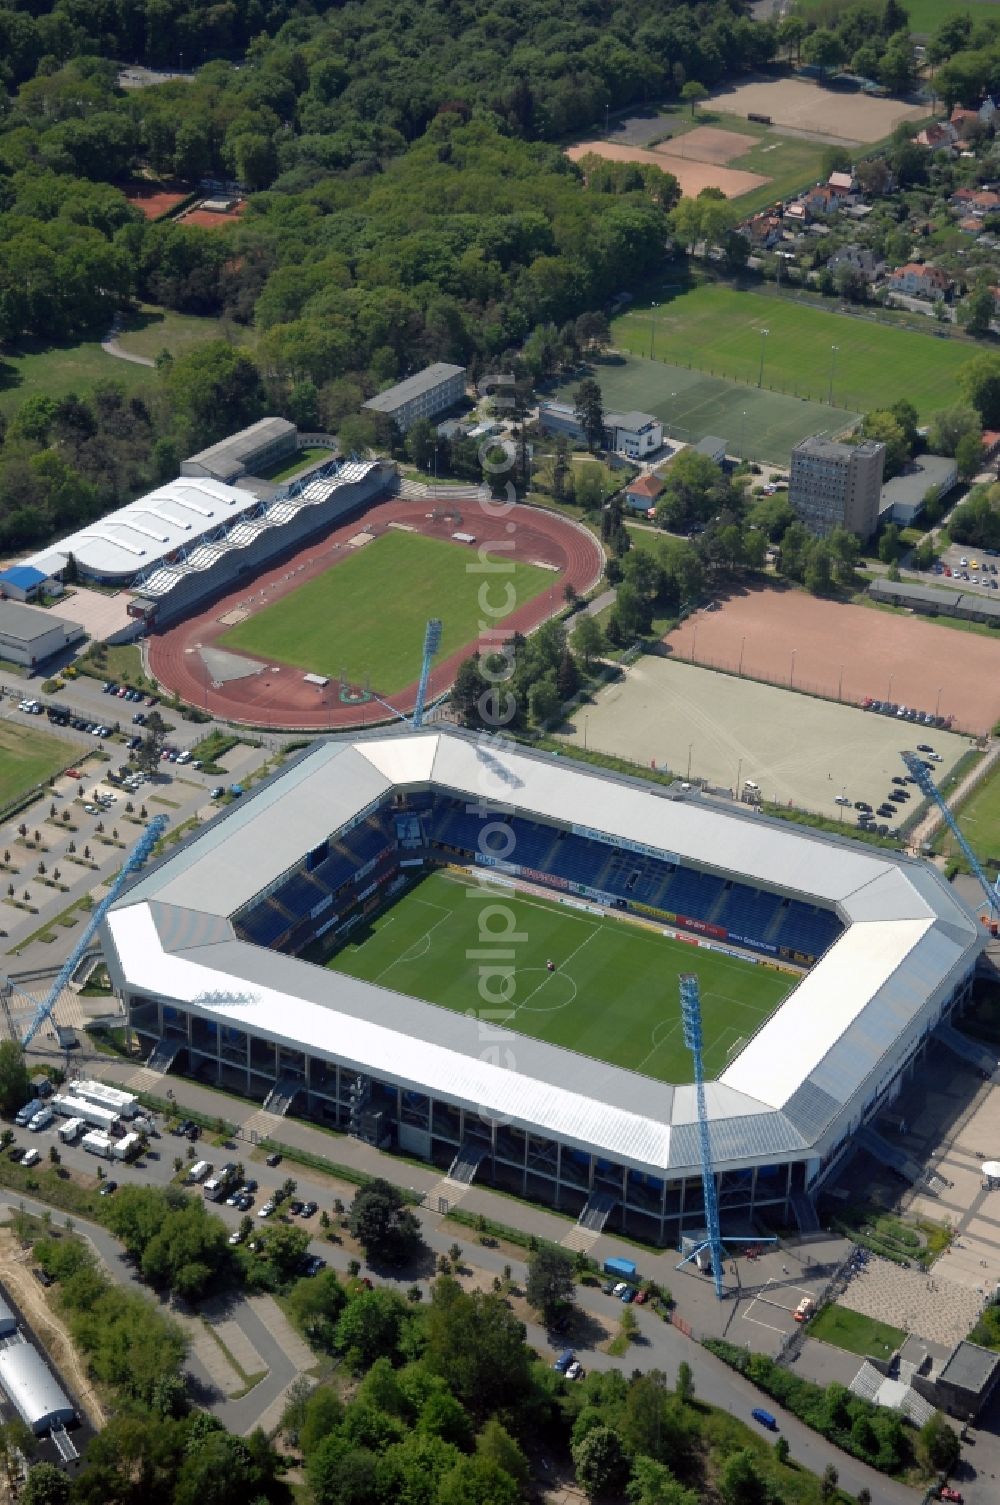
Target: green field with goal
(613, 993)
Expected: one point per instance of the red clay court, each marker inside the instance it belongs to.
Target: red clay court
(279, 696)
(154, 199)
(844, 652)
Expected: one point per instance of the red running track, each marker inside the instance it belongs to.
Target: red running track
(279, 697)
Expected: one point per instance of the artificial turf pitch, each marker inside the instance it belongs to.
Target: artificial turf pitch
(717, 329)
(365, 616)
(613, 995)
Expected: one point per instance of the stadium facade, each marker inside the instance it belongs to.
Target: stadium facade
(206, 950)
(196, 537)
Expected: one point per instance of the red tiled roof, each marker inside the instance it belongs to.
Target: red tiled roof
(647, 485)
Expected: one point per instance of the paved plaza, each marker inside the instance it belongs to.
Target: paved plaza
(931, 1305)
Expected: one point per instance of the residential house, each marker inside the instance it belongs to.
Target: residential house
(825, 199)
(976, 202)
(862, 258)
(920, 281)
(641, 494)
(764, 231)
(797, 212)
(961, 118)
(939, 136)
(843, 182)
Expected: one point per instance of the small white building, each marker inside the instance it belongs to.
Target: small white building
(634, 435)
(32, 1389)
(29, 635)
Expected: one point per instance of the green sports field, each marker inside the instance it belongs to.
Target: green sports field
(717, 329)
(925, 16)
(690, 403)
(27, 758)
(366, 615)
(613, 994)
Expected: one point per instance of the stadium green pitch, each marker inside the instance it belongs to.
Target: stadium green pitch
(613, 994)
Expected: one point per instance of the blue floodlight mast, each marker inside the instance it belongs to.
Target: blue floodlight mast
(432, 642)
(926, 785)
(133, 861)
(691, 1017)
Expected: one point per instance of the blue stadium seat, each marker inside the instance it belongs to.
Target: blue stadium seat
(298, 894)
(265, 924)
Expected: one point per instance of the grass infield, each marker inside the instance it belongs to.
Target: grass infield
(855, 1333)
(613, 994)
(27, 758)
(366, 615)
(718, 329)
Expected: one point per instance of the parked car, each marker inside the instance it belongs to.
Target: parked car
(108, 1188)
(765, 1418)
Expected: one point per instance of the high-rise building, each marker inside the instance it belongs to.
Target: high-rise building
(836, 485)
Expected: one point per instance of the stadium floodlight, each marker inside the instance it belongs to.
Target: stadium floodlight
(691, 1020)
(432, 642)
(925, 783)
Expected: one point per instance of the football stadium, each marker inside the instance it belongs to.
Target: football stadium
(470, 953)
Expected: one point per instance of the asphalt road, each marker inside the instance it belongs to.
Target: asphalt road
(661, 1346)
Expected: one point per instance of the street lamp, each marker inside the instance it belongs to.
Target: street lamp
(889, 696)
(840, 684)
(743, 643)
(763, 338)
(833, 367)
(937, 703)
(791, 674)
(585, 733)
(694, 642)
(743, 435)
(690, 746)
(739, 770)
(652, 328)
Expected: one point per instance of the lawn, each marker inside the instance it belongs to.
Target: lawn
(152, 329)
(790, 162)
(28, 757)
(364, 618)
(613, 995)
(855, 1333)
(690, 403)
(926, 15)
(717, 329)
(979, 821)
(57, 370)
(303, 457)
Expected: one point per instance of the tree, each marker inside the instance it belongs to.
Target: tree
(693, 93)
(976, 312)
(685, 1381)
(498, 1447)
(979, 382)
(791, 30)
(739, 1481)
(469, 692)
(823, 49)
(600, 1461)
(383, 1224)
(969, 455)
(14, 1079)
(588, 405)
(939, 1445)
(46, 1485)
(550, 1287)
(883, 426)
(588, 640)
(782, 1450)
(890, 545)
(828, 1483)
(652, 1483)
(950, 426)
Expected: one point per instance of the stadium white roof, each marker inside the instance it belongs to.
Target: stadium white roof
(148, 530)
(823, 1054)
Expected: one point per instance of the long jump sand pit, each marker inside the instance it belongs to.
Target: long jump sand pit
(708, 143)
(691, 175)
(801, 751)
(803, 105)
(847, 652)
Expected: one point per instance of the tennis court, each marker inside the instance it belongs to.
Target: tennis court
(612, 992)
(759, 424)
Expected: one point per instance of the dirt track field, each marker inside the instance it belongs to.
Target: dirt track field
(801, 751)
(799, 103)
(847, 652)
(692, 176)
(708, 143)
(279, 697)
(211, 220)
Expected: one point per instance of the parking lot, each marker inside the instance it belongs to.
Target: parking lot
(961, 567)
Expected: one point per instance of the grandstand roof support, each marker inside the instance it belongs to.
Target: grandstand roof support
(691, 1019)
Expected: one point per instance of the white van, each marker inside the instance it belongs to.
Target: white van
(30, 1157)
(200, 1170)
(42, 1119)
(751, 785)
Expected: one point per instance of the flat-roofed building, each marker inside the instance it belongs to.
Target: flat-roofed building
(251, 451)
(834, 485)
(426, 394)
(31, 636)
